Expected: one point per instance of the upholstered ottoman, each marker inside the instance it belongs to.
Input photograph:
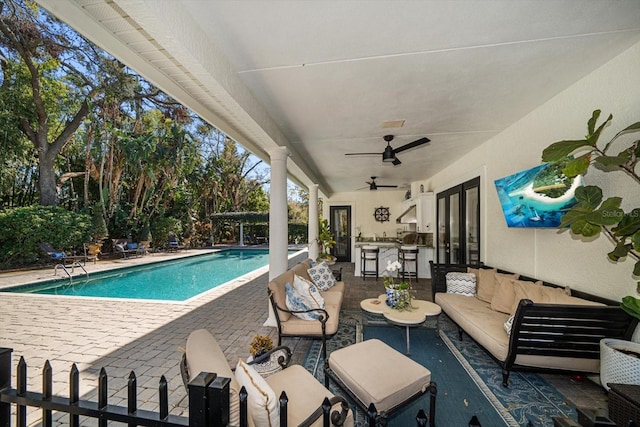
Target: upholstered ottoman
(372, 372)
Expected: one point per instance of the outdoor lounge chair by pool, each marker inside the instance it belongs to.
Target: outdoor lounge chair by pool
(59, 256)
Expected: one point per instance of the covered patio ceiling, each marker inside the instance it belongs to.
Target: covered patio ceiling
(323, 78)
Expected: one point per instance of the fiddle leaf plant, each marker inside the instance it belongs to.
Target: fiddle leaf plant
(592, 215)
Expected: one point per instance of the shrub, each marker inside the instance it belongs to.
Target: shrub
(23, 229)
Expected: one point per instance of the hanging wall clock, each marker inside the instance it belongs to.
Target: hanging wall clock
(381, 214)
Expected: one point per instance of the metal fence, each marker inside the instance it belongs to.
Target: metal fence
(208, 401)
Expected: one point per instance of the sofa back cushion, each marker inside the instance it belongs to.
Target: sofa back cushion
(504, 293)
(485, 282)
(276, 287)
(205, 355)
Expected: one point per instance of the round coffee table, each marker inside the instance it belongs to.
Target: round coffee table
(407, 318)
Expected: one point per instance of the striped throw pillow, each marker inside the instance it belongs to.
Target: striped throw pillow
(461, 283)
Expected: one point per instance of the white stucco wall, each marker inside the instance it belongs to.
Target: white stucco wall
(363, 205)
(547, 253)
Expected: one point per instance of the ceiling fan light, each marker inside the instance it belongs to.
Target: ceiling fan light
(388, 155)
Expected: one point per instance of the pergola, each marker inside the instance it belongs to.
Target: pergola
(242, 217)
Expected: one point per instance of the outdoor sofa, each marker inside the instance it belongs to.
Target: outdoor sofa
(529, 324)
(288, 322)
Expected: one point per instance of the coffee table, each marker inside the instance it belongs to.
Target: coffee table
(406, 318)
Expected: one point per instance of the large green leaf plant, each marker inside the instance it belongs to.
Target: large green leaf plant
(592, 215)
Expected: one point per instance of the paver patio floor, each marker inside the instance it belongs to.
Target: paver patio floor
(126, 335)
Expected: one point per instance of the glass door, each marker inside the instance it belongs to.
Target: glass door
(340, 225)
(458, 219)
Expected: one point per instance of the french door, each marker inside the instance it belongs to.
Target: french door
(458, 219)
(340, 225)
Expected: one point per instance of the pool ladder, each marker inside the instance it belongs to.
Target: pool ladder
(73, 266)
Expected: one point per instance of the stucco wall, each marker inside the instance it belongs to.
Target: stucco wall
(363, 204)
(547, 253)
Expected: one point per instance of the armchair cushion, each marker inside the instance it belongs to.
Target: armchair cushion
(262, 401)
(205, 355)
(322, 276)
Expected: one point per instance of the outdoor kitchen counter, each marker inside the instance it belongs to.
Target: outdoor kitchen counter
(389, 253)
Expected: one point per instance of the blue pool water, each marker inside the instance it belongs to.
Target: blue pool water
(176, 280)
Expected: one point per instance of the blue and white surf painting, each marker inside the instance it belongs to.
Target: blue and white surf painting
(537, 197)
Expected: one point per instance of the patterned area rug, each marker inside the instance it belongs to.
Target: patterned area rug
(529, 400)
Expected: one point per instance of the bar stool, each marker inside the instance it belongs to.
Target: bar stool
(408, 257)
(368, 256)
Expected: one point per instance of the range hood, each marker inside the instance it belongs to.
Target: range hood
(408, 216)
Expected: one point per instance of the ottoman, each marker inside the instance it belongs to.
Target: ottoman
(374, 373)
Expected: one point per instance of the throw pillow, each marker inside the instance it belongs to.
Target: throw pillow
(322, 276)
(303, 296)
(485, 283)
(504, 294)
(526, 290)
(461, 283)
(508, 325)
(262, 401)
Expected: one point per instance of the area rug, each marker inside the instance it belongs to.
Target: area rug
(469, 381)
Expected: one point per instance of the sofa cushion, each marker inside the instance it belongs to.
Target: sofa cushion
(485, 282)
(461, 283)
(276, 286)
(479, 321)
(322, 276)
(523, 289)
(205, 355)
(262, 401)
(303, 295)
(504, 293)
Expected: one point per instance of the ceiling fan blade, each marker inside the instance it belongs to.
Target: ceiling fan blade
(410, 145)
(386, 186)
(396, 161)
(362, 154)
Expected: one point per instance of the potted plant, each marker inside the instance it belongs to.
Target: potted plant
(260, 345)
(592, 215)
(326, 242)
(398, 294)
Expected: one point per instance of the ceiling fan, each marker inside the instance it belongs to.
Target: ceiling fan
(373, 186)
(389, 154)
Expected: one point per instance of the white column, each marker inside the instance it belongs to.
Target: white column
(241, 234)
(278, 219)
(313, 221)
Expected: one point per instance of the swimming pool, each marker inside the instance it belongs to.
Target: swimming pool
(176, 280)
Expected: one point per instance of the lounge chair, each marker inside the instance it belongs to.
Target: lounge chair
(173, 245)
(58, 256)
(127, 248)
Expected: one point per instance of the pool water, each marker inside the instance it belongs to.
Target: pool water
(176, 280)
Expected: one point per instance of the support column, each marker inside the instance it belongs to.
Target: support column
(313, 221)
(278, 219)
(241, 243)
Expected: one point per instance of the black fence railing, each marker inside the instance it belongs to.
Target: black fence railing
(208, 402)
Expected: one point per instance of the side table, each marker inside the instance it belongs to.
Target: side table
(405, 318)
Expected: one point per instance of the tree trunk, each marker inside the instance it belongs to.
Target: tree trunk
(47, 183)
